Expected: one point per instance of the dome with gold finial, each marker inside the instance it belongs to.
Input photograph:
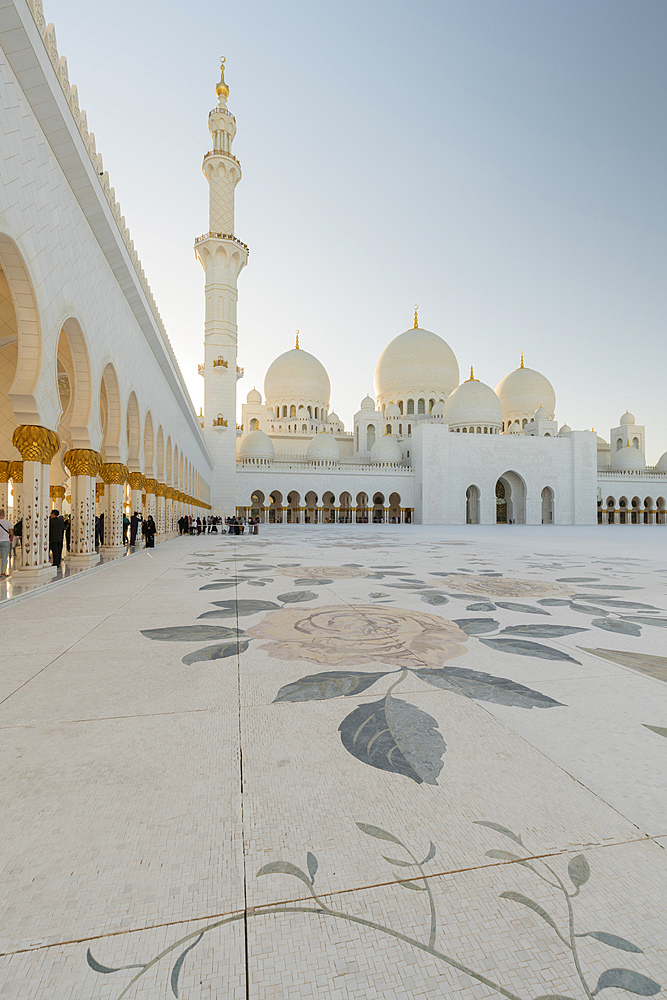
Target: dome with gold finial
(296, 378)
(415, 365)
(474, 404)
(522, 392)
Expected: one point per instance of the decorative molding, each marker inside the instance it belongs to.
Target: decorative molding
(36, 443)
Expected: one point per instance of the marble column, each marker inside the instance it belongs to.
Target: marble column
(56, 496)
(16, 476)
(4, 485)
(152, 486)
(160, 508)
(136, 482)
(114, 475)
(83, 465)
(37, 446)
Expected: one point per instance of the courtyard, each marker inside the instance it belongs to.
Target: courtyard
(365, 761)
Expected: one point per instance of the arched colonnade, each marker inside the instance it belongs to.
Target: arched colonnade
(510, 501)
(329, 507)
(73, 437)
(633, 510)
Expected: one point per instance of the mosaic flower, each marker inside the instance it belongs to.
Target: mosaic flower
(328, 572)
(367, 633)
(496, 586)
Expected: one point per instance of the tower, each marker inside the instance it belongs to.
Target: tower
(223, 257)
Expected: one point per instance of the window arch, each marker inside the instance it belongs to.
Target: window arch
(254, 424)
(421, 406)
(388, 429)
(411, 406)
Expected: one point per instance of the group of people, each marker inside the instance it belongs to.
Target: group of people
(133, 527)
(189, 525)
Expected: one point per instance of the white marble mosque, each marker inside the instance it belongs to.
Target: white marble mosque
(95, 414)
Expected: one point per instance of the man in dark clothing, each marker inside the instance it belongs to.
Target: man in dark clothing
(134, 527)
(56, 533)
(126, 525)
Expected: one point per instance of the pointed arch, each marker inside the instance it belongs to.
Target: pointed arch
(133, 421)
(110, 414)
(149, 445)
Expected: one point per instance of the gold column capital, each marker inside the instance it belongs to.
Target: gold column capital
(36, 443)
(151, 486)
(82, 461)
(136, 480)
(113, 472)
(16, 472)
(5, 474)
(57, 492)
(99, 490)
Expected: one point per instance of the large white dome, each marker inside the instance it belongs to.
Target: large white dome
(297, 376)
(522, 392)
(323, 448)
(386, 449)
(628, 459)
(473, 403)
(256, 446)
(416, 364)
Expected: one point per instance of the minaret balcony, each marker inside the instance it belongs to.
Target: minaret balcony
(220, 363)
(240, 372)
(222, 236)
(222, 111)
(221, 152)
(201, 369)
(220, 423)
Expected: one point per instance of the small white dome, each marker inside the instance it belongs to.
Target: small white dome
(628, 459)
(565, 429)
(386, 449)
(627, 418)
(523, 391)
(323, 448)
(297, 375)
(302, 413)
(392, 411)
(367, 403)
(661, 465)
(438, 408)
(333, 418)
(473, 403)
(256, 445)
(602, 443)
(417, 363)
(254, 396)
(540, 414)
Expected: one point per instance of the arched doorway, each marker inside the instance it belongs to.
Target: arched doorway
(310, 501)
(257, 505)
(328, 508)
(547, 505)
(362, 508)
(510, 499)
(276, 507)
(472, 505)
(378, 508)
(293, 504)
(345, 513)
(395, 508)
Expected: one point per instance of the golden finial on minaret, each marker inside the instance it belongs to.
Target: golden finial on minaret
(222, 90)
(472, 375)
(296, 346)
(521, 365)
(416, 321)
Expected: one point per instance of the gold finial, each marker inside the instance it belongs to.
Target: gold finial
(222, 90)
(296, 346)
(201, 412)
(472, 375)
(521, 365)
(416, 321)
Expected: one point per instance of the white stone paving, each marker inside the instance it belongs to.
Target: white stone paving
(141, 795)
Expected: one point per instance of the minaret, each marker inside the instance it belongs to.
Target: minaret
(222, 256)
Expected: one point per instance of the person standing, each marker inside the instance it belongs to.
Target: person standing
(134, 525)
(6, 537)
(68, 530)
(149, 530)
(56, 534)
(126, 525)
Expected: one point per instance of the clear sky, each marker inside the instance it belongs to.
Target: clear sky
(500, 162)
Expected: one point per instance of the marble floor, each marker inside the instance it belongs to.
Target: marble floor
(364, 761)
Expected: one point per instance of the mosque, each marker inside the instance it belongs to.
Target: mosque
(96, 417)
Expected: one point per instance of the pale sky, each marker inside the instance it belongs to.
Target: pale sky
(501, 163)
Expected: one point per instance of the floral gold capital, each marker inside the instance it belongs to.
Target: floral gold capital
(36, 443)
(113, 472)
(136, 480)
(151, 486)
(16, 472)
(82, 461)
(57, 492)
(4, 472)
